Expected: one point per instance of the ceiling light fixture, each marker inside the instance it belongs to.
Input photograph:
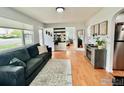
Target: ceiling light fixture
(60, 9)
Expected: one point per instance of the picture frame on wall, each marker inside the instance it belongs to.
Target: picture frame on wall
(104, 28)
(92, 30)
(96, 29)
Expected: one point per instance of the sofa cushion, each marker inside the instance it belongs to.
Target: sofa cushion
(32, 50)
(17, 62)
(32, 65)
(20, 53)
(42, 49)
(5, 57)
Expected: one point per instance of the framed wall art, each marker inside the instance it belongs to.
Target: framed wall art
(92, 30)
(104, 28)
(96, 29)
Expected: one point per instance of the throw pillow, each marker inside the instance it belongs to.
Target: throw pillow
(42, 49)
(17, 62)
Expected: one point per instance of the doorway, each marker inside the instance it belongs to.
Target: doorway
(80, 39)
(59, 39)
(71, 38)
(118, 50)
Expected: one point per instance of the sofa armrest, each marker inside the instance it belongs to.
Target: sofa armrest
(49, 49)
(12, 76)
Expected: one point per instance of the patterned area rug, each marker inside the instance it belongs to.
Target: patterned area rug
(57, 72)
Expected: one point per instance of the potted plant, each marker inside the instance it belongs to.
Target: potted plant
(100, 43)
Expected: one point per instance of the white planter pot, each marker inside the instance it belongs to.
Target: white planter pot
(100, 47)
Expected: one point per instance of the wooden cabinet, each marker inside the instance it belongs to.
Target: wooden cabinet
(96, 56)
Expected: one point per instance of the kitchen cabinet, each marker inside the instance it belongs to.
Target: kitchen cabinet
(96, 56)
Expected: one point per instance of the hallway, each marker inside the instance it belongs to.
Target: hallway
(83, 72)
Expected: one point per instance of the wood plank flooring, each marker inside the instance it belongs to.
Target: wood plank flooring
(118, 73)
(83, 73)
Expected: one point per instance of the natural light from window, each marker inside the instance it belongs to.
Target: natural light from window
(11, 38)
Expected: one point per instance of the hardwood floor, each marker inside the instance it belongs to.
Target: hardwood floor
(83, 73)
(118, 73)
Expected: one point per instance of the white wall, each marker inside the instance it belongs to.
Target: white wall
(69, 33)
(57, 25)
(48, 40)
(41, 38)
(120, 18)
(12, 14)
(103, 15)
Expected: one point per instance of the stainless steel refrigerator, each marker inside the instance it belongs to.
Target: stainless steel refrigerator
(119, 47)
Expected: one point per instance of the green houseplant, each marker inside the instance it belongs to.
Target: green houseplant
(100, 43)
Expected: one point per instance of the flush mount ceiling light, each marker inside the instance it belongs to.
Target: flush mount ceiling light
(60, 9)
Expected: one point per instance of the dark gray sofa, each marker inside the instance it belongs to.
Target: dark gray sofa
(11, 75)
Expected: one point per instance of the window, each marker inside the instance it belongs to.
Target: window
(10, 38)
(28, 37)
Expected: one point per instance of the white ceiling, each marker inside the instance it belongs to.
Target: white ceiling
(49, 15)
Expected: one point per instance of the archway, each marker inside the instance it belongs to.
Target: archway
(113, 23)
